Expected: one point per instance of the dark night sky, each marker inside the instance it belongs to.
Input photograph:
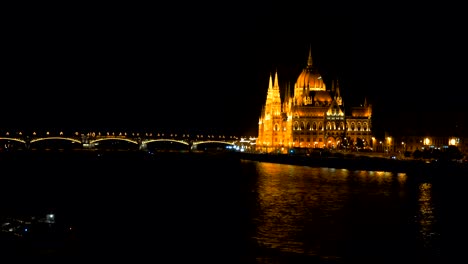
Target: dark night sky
(163, 67)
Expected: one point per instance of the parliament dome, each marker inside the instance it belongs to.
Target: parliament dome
(311, 79)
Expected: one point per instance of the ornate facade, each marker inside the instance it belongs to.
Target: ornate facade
(311, 116)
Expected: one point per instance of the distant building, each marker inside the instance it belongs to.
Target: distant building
(311, 116)
(411, 143)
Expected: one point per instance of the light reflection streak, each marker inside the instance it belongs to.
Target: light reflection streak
(426, 217)
(402, 178)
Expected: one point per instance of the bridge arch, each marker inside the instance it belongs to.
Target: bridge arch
(165, 140)
(212, 145)
(54, 143)
(13, 139)
(114, 138)
(114, 143)
(7, 143)
(55, 138)
(165, 145)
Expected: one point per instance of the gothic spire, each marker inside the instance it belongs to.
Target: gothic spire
(276, 79)
(309, 60)
(337, 89)
(270, 85)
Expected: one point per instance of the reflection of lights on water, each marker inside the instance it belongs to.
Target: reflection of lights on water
(401, 178)
(426, 214)
(291, 197)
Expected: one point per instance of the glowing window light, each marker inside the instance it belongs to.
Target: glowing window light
(453, 141)
(427, 141)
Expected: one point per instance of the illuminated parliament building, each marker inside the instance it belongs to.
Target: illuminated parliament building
(311, 116)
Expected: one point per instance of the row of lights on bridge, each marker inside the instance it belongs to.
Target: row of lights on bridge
(93, 134)
(35, 134)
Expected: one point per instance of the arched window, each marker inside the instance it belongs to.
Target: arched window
(352, 126)
(308, 126)
(302, 126)
(276, 127)
(296, 126)
(320, 126)
(314, 126)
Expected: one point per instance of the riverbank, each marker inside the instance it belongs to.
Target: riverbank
(363, 162)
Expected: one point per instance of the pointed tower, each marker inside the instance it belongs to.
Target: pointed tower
(338, 98)
(273, 101)
(270, 124)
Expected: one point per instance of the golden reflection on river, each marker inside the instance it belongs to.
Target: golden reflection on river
(308, 210)
(426, 218)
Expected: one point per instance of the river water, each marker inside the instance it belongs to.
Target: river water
(300, 214)
(216, 210)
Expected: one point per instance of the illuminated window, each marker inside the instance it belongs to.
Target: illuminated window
(427, 141)
(296, 126)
